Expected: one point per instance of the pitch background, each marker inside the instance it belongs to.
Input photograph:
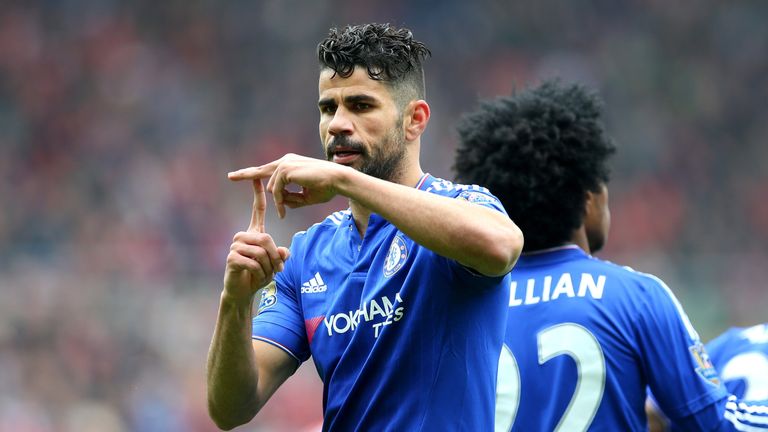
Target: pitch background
(119, 121)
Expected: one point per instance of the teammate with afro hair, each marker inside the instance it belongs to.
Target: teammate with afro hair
(540, 152)
(585, 338)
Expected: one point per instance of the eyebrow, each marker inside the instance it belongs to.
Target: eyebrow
(349, 100)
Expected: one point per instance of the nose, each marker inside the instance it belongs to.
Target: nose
(340, 124)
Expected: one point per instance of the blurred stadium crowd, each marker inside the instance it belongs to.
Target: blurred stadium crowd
(120, 120)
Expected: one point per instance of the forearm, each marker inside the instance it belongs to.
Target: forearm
(231, 372)
(475, 236)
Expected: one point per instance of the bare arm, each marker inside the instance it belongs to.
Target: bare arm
(475, 236)
(243, 374)
(657, 422)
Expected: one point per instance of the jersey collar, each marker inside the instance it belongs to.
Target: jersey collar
(425, 181)
(552, 255)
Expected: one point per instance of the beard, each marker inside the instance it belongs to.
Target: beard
(384, 160)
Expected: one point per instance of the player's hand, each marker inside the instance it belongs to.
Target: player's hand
(253, 257)
(317, 178)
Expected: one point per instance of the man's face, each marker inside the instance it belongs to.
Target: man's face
(360, 124)
(597, 221)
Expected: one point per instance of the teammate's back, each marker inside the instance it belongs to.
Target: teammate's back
(585, 338)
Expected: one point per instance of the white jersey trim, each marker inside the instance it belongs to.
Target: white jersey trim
(692, 333)
(441, 185)
(277, 344)
(336, 218)
(746, 417)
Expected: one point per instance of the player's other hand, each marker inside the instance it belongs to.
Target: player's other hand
(317, 178)
(253, 257)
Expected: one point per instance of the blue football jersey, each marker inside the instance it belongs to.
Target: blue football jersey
(403, 339)
(740, 355)
(584, 339)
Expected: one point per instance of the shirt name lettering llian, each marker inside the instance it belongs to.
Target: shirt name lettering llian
(536, 291)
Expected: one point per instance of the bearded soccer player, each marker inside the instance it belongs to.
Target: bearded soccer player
(585, 337)
(401, 299)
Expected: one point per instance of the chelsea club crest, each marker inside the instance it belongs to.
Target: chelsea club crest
(396, 256)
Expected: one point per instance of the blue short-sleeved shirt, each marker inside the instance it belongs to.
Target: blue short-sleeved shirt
(584, 340)
(403, 339)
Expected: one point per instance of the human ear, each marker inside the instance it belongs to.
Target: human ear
(416, 119)
(596, 201)
(589, 203)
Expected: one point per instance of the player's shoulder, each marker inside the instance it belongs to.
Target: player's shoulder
(646, 291)
(472, 192)
(447, 187)
(644, 282)
(326, 227)
(756, 334)
(732, 332)
(724, 339)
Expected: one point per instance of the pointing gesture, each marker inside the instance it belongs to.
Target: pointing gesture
(253, 258)
(317, 179)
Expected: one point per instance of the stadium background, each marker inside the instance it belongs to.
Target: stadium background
(119, 121)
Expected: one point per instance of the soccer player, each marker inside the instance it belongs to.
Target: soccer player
(585, 337)
(401, 299)
(740, 355)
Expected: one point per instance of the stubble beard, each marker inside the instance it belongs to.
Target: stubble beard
(384, 160)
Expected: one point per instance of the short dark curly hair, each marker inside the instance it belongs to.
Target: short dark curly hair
(539, 151)
(389, 54)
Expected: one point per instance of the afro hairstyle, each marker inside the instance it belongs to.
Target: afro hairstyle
(539, 151)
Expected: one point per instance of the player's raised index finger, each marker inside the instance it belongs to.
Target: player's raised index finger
(259, 207)
(253, 173)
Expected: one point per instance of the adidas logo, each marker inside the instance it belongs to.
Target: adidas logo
(314, 285)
